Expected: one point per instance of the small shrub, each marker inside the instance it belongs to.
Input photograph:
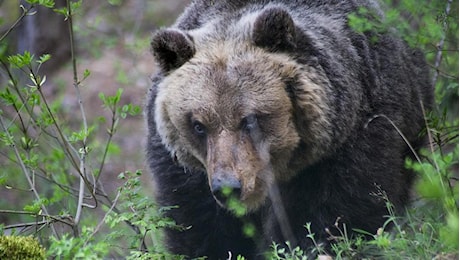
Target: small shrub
(19, 247)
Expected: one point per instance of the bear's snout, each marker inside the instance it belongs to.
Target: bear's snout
(225, 186)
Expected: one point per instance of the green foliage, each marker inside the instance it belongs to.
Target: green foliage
(287, 253)
(141, 212)
(81, 247)
(45, 3)
(133, 227)
(57, 157)
(70, 10)
(233, 203)
(20, 61)
(416, 235)
(19, 247)
(439, 189)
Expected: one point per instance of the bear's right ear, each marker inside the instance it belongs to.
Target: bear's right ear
(172, 48)
(274, 30)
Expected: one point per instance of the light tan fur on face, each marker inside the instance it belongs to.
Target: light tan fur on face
(223, 83)
(233, 153)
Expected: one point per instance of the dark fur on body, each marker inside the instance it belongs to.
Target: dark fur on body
(363, 155)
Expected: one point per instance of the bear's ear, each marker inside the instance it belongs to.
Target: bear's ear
(274, 29)
(172, 48)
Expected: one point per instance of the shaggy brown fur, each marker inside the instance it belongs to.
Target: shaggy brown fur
(272, 99)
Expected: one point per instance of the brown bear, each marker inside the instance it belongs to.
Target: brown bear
(282, 106)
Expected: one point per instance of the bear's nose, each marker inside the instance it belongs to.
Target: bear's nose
(225, 186)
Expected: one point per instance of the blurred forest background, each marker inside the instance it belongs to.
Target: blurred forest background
(112, 45)
(73, 82)
(112, 41)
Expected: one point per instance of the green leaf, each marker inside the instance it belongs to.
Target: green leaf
(45, 3)
(44, 58)
(20, 61)
(86, 73)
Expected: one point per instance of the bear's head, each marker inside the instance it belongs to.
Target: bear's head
(236, 103)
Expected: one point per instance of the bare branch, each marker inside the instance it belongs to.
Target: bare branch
(25, 12)
(103, 219)
(399, 132)
(84, 150)
(25, 170)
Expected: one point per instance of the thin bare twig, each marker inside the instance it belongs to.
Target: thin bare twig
(84, 150)
(54, 218)
(103, 219)
(28, 224)
(25, 12)
(110, 133)
(65, 144)
(25, 170)
(399, 132)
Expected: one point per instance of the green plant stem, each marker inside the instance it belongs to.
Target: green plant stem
(98, 227)
(25, 171)
(16, 108)
(84, 150)
(67, 146)
(64, 143)
(110, 132)
(112, 204)
(25, 11)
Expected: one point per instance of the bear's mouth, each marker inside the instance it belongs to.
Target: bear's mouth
(231, 200)
(239, 196)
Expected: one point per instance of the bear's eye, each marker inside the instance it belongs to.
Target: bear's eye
(199, 128)
(249, 123)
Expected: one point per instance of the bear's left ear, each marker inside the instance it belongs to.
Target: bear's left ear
(172, 48)
(274, 29)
